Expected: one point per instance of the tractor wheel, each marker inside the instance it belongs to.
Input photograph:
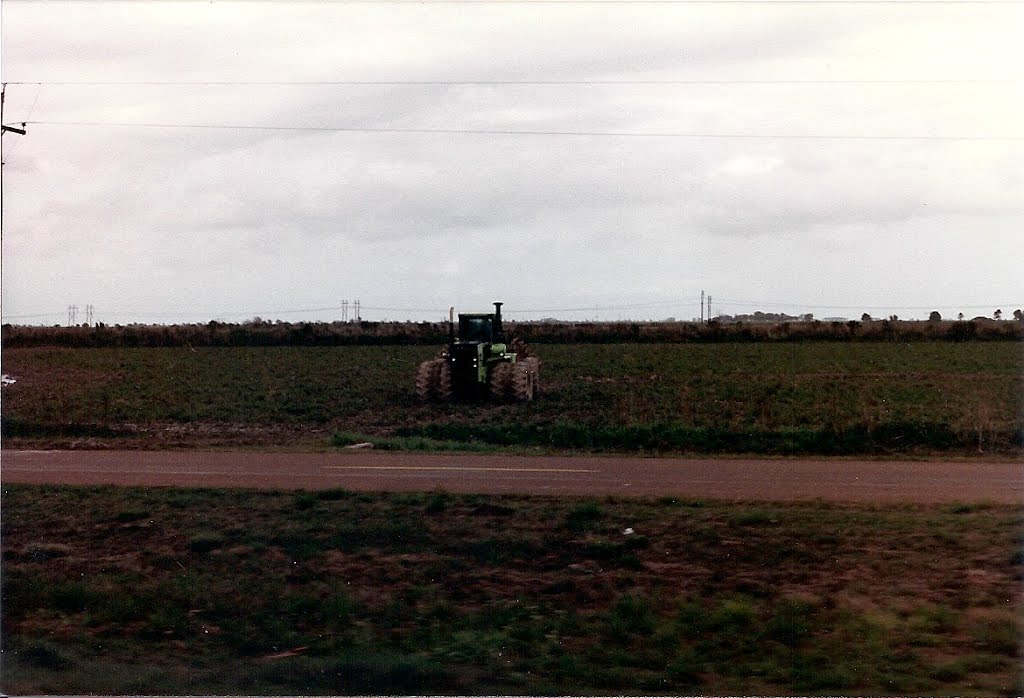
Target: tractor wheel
(523, 384)
(501, 381)
(519, 348)
(443, 381)
(425, 379)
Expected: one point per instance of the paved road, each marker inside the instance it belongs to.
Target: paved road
(765, 479)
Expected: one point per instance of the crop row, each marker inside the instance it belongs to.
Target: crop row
(675, 397)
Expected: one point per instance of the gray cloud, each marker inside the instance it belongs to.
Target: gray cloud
(147, 220)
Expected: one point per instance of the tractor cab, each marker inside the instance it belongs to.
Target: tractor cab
(479, 327)
(473, 353)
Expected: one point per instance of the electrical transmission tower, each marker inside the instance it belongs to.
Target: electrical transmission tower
(88, 314)
(72, 315)
(355, 311)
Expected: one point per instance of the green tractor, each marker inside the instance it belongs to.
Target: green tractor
(479, 364)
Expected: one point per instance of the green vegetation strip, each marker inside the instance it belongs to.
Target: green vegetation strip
(216, 591)
(260, 333)
(813, 397)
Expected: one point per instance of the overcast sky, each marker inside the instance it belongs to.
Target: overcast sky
(786, 157)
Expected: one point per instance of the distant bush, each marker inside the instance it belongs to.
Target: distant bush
(258, 334)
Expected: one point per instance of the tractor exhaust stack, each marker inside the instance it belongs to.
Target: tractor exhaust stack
(499, 332)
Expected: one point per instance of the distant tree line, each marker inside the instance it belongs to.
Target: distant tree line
(768, 318)
(261, 333)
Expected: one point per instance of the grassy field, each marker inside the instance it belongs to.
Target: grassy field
(111, 590)
(809, 397)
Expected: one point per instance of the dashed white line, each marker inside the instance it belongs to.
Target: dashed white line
(120, 471)
(452, 468)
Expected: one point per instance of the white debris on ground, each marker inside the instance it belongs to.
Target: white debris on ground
(6, 380)
(628, 532)
(363, 444)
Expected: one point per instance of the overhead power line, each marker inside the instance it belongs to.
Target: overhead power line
(423, 4)
(768, 304)
(534, 132)
(416, 83)
(599, 307)
(24, 316)
(677, 303)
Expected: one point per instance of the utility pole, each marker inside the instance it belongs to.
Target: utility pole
(4, 128)
(702, 306)
(709, 307)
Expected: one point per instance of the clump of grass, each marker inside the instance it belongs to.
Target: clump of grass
(74, 597)
(681, 502)
(438, 503)
(305, 500)
(791, 623)
(731, 616)
(413, 442)
(584, 516)
(205, 541)
(334, 494)
(756, 517)
(347, 438)
(387, 674)
(43, 654)
(130, 515)
(968, 507)
(999, 635)
(949, 672)
(636, 542)
(685, 669)
(631, 615)
(501, 550)
(47, 551)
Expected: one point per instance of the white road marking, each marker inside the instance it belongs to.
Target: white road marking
(121, 471)
(453, 468)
